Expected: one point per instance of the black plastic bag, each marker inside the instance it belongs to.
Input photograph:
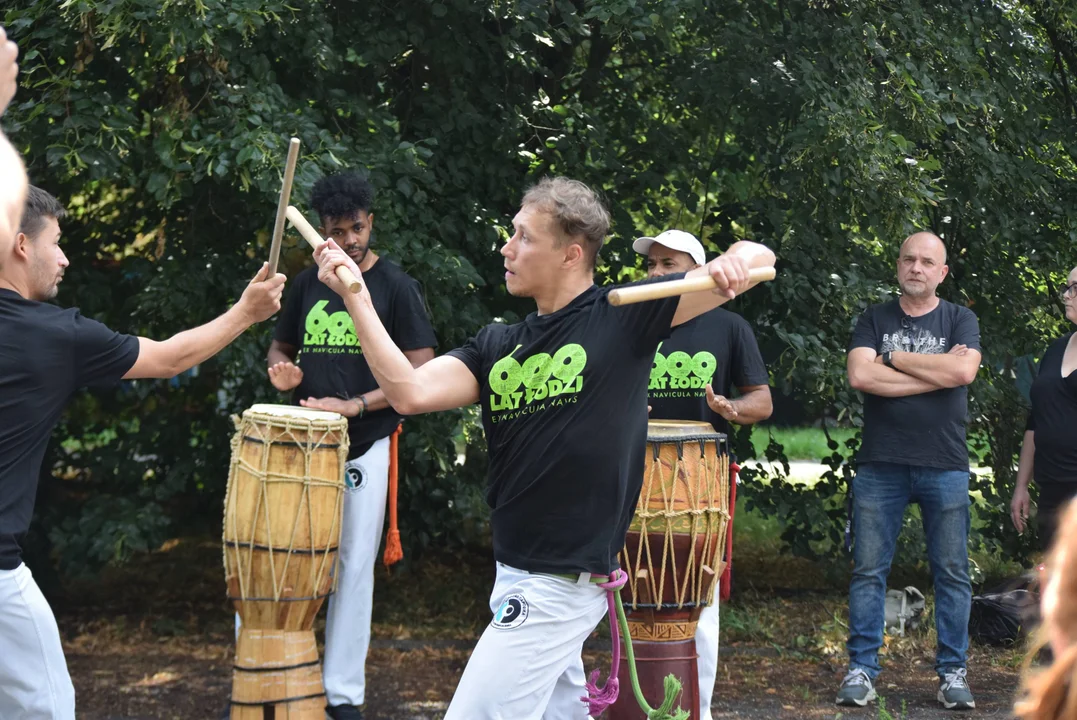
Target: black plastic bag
(1006, 614)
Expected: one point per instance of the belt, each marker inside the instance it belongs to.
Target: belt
(580, 578)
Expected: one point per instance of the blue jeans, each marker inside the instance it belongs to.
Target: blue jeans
(881, 491)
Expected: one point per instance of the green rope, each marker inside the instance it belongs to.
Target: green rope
(671, 684)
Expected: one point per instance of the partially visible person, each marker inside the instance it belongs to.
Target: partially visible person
(1049, 452)
(13, 184)
(47, 354)
(725, 355)
(13, 180)
(1051, 693)
(9, 70)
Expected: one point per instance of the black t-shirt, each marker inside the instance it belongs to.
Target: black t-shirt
(927, 429)
(1054, 419)
(718, 348)
(46, 354)
(315, 321)
(564, 407)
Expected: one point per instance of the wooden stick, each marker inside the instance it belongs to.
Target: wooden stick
(282, 205)
(654, 291)
(315, 241)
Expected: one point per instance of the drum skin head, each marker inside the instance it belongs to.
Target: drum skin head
(680, 430)
(293, 411)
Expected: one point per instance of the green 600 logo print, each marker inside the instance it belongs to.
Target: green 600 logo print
(325, 329)
(681, 370)
(540, 376)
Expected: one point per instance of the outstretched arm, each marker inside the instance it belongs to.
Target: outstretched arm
(441, 384)
(371, 401)
(730, 271)
(9, 70)
(184, 350)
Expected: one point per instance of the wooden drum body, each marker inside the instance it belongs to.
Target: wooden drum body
(673, 556)
(282, 518)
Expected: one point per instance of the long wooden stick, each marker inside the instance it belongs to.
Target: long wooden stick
(282, 205)
(654, 291)
(315, 241)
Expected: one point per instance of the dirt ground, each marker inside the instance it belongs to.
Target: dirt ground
(153, 640)
(183, 681)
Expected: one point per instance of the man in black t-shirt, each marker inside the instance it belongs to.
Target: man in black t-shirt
(715, 350)
(564, 407)
(315, 354)
(47, 354)
(912, 358)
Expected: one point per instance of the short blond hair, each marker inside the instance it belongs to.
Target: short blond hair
(577, 210)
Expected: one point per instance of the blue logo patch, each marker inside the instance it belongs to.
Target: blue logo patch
(511, 613)
(354, 477)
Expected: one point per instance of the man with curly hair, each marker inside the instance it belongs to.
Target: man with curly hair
(315, 354)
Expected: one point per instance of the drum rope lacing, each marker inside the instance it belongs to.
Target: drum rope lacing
(308, 435)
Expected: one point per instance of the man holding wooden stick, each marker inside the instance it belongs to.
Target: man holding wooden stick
(564, 405)
(47, 354)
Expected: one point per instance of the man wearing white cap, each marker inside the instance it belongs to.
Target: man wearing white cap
(726, 355)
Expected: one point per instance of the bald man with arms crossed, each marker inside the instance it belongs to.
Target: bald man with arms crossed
(913, 359)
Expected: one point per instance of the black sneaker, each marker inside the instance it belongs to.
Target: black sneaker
(344, 712)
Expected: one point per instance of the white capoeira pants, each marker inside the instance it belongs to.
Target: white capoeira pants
(347, 625)
(34, 683)
(527, 664)
(707, 650)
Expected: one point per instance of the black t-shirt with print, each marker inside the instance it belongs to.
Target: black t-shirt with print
(718, 348)
(46, 354)
(564, 407)
(315, 321)
(1054, 419)
(927, 429)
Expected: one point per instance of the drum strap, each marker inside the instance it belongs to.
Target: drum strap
(599, 699)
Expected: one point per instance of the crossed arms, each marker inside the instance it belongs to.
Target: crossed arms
(913, 373)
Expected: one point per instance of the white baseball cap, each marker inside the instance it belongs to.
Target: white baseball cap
(674, 240)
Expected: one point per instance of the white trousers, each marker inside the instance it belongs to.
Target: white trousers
(34, 683)
(707, 650)
(527, 664)
(347, 625)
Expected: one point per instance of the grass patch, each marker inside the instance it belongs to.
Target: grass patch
(809, 444)
(805, 443)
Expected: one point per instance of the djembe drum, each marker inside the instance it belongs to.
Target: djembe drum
(673, 557)
(282, 517)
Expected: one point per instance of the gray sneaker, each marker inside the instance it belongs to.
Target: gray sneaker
(954, 692)
(856, 689)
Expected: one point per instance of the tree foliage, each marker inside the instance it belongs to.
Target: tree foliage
(829, 130)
